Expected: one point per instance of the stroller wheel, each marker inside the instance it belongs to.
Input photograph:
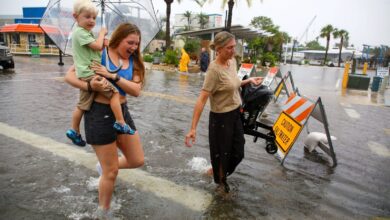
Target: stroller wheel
(271, 148)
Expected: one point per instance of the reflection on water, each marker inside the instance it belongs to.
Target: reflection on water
(34, 99)
(183, 82)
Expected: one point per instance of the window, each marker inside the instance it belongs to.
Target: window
(48, 41)
(2, 39)
(15, 38)
(31, 38)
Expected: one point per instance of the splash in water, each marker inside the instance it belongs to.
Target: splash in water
(199, 164)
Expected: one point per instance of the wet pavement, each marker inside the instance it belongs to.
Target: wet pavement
(43, 176)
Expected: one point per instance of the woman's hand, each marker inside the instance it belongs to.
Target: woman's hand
(190, 138)
(99, 84)
(256, 80)
(106, 42)
(253, 80)
(101, 70)
(71, 79)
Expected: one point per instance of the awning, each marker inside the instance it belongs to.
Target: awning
(25, 28)
(239, 31)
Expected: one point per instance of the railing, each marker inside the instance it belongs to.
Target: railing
(26, 49)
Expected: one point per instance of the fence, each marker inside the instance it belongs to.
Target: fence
(26, 49)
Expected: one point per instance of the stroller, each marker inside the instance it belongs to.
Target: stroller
(255, 100)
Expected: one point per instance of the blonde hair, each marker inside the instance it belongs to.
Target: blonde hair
(84, 5)
(121, 32)
(221, 39)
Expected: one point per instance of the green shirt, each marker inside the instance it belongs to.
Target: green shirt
(83, 55)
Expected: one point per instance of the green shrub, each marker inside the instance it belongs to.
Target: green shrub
(171, 57)
(157, 54)
(192, 45)
(148, 58)
(268, 57)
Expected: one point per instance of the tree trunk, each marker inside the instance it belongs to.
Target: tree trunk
(167, 29)
(340, 48)
(326, 51)
(230, 15)
(292, 52)
(281, 51)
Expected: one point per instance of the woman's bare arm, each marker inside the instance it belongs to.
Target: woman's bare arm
(130, 87)
(97, 83)
(199, 106)
(72, 79)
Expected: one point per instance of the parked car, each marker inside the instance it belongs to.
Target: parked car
(6, 58)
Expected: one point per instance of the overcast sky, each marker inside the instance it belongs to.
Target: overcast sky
(368, 22)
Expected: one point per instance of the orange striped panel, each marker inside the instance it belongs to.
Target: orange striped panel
(295, 106)
(304, 114)
(273, 70)
(247, 65)
(289, 98)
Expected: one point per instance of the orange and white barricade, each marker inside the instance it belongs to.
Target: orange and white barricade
(299, 108)
(289, 82)
(269, 79)
(286, 85)
(246, 69)
(296, 112)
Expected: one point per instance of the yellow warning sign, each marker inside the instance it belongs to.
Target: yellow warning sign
(286, 130)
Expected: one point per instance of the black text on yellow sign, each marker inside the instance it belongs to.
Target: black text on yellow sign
(286, 130)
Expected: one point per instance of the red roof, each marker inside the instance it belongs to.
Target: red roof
(26, 28)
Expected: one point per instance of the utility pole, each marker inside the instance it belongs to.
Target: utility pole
(292, 51)
(60, 63)
(302, 35)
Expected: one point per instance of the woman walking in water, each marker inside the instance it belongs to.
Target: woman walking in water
(99, 120)
(226, 134)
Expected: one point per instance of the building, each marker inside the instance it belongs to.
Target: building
(181, 22)
(215, 20)
(31, 15)
(316, 57)
(207, 35)
(7, 19)
(333, 55)
(25, 33)
(156, 45)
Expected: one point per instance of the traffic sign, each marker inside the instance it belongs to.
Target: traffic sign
(286, 130)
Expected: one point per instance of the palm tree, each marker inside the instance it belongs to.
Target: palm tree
(203, 20)
(281, 38)
(200, 2)
(325, 33)
(230, 11)
(342, 34)
(188, 16)
(167, 26)
(264, 23)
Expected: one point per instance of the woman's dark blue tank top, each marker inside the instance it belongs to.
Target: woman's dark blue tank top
(124, 73)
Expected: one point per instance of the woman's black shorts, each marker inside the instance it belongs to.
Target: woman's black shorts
(99, 122)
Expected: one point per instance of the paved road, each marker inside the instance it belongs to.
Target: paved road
(42, 176)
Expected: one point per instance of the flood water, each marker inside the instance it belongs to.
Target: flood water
(35, 184)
